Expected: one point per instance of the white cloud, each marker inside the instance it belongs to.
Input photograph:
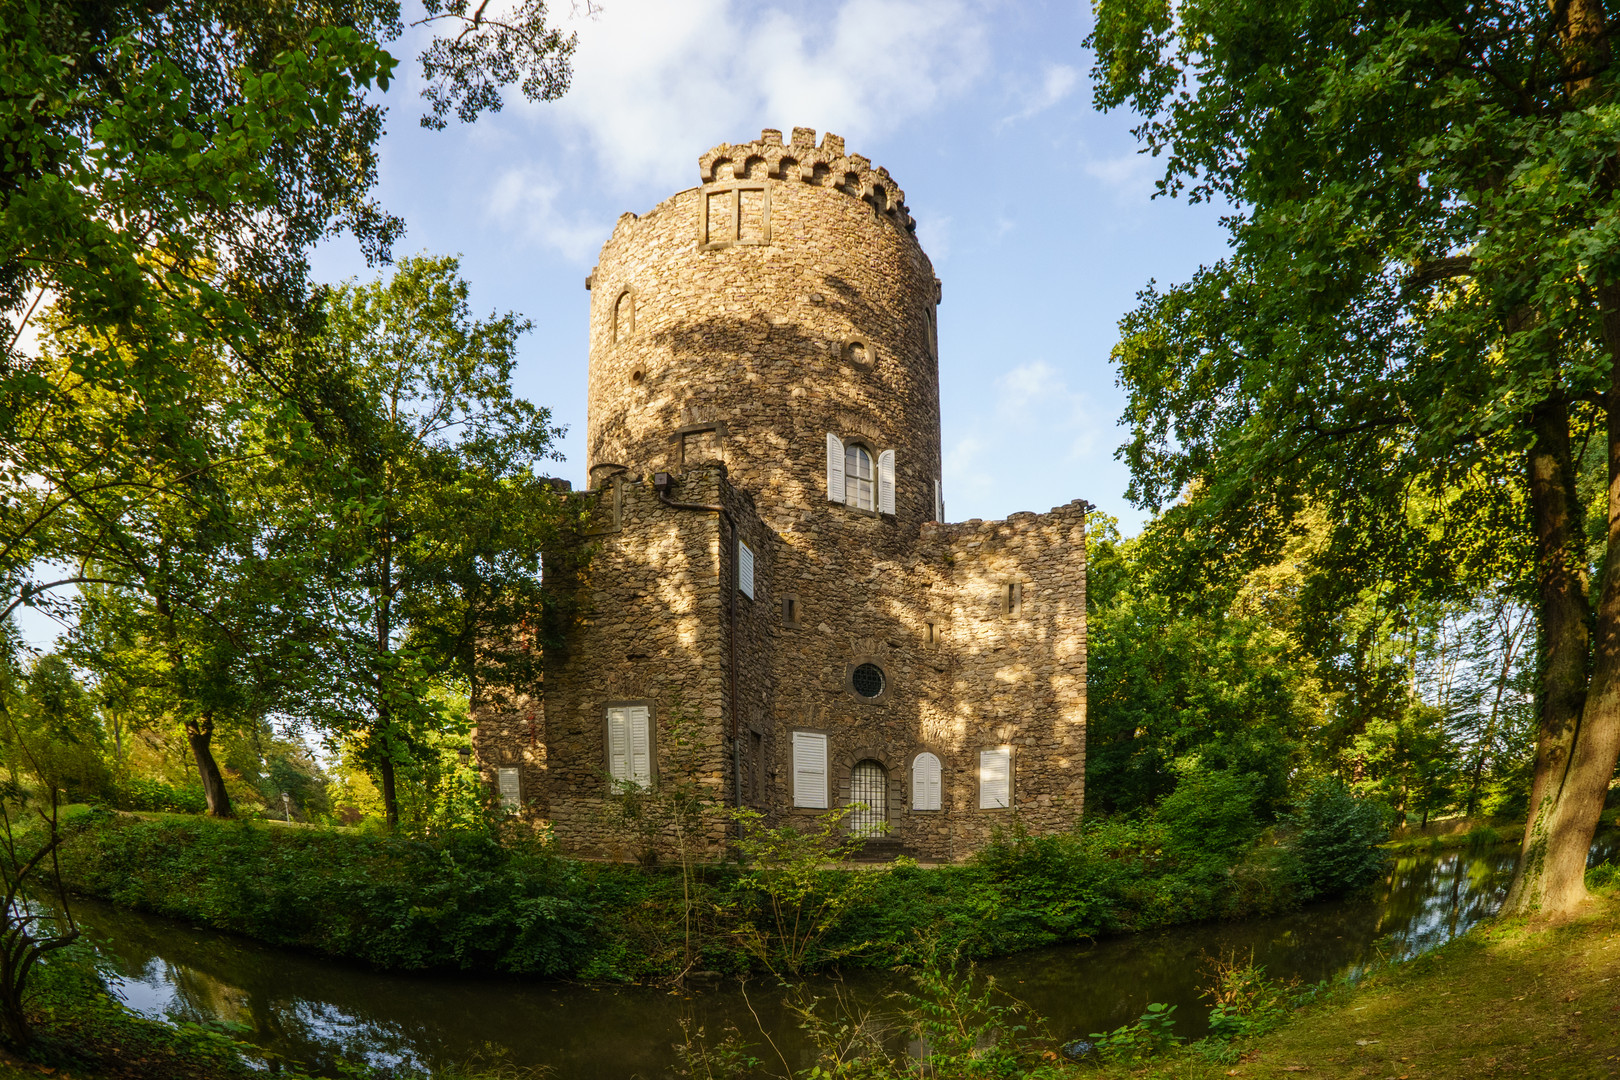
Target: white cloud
(1057, 82)
(526, 198)
(1128, 178)
(1036, 397)
(656, 83)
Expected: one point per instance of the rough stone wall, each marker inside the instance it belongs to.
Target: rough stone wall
(963, 674)
(1018, 676)
(725, 354)
(646, 633)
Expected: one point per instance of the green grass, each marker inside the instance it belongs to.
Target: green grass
(1513, 998)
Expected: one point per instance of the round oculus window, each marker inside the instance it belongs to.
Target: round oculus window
(867, 680)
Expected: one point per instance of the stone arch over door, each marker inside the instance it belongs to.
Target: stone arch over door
(893, 788)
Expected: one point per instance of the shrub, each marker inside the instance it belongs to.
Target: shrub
(1212, 814)
(1603, 875)
(136, 793)
(1154, 1032)
(1338, 839)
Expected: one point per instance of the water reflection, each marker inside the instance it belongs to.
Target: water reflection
(315, 1011)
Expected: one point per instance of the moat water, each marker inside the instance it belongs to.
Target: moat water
(314, 1012)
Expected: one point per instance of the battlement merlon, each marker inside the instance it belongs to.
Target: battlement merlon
(826, 165)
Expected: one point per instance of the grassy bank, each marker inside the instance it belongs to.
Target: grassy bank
(1512, 998)
(472, 902)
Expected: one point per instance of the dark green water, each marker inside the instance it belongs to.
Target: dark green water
(312, 1010)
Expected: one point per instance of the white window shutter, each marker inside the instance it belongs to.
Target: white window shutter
(639, 722)
(810, 770)
(618, 725)
(745, 570)
(995, 779)
(925, 782)
(510, 784)
(835, 468)
(939, 502)
(886, 482)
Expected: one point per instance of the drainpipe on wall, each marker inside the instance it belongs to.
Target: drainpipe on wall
(661, 484)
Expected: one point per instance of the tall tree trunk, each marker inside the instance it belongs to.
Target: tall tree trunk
(200, 733)
(390, 797)
(1564, 640)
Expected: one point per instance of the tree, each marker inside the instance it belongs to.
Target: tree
(164, 170)
(1422, 306)
(431, 519)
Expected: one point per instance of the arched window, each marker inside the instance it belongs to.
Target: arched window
(859, 489)
(869, 784)
(925, 774)
(856, 479)
(624, 316)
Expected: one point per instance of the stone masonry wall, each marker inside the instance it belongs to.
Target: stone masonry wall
(733, 327)
(654, 628)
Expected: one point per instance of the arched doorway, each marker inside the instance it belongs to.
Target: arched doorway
(869, 784)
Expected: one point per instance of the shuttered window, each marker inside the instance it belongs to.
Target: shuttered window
(745, 570)
(858, 478)
(835, 468)
(925, 780)
(886, 482)
(939, 502)
(510, 784)
(810, 770)
(995, 779)
(629, 738)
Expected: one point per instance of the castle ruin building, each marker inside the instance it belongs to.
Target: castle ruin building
(773, 602)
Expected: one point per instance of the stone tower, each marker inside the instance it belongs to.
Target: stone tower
(773, 605)
(803, 305)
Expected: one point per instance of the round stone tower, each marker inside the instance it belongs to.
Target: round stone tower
(783, 301)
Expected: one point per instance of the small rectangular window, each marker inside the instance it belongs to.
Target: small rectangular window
(995, 778)
(509, 782)
(930, 633)
(790, 610)
(745, 570)
(1012, 599)
(629, 739)
(810, 770)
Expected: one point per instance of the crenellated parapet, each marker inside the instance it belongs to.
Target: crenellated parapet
(802, 160)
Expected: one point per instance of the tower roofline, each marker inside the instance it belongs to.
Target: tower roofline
(826, 165)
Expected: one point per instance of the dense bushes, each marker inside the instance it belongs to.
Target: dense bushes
(471, 901)
(136, 793)
(1337, 834)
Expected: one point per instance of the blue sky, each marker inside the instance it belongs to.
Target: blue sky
(1034, 207)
